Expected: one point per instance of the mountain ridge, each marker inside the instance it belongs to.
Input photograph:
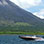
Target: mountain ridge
(12, 14)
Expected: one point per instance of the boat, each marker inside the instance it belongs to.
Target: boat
(31, 38)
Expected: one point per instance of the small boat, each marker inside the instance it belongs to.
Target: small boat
(31, 38)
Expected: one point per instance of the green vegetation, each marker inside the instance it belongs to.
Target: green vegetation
(21, 28)
(23, 33)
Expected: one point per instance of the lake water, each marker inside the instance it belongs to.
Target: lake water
(14, 39)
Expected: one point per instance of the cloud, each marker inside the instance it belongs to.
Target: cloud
(40, 14)
(27, 3)
(3, 2)
(0, 3)
(30, 3)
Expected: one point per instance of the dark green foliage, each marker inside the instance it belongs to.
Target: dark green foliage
(20, 27)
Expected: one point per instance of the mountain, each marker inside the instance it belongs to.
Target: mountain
(10, 14)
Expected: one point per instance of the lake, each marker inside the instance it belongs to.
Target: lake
(14, 39)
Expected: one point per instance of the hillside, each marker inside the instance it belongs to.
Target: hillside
(14, 18)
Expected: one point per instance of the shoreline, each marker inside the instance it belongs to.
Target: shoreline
(21, 33)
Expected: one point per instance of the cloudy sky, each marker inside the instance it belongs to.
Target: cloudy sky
(34, 6)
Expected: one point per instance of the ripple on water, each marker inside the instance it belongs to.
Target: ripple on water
(14, 39)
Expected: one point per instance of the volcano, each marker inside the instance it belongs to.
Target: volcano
(11, 13)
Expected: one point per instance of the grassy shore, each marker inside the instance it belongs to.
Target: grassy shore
(23, 33)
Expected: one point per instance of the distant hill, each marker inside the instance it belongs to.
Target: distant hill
(13, 17)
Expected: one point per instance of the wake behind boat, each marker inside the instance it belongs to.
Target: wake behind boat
(32, 38)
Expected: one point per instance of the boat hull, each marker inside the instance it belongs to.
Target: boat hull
(32, 38)
(26, 38)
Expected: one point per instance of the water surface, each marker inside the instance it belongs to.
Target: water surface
(14, 39)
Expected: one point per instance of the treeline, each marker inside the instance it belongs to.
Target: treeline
(21, 27)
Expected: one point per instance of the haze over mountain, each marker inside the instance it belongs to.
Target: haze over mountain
(11, 13)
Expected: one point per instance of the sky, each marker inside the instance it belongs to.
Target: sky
(34, 6)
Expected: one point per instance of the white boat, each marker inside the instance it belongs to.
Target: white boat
(32, 38)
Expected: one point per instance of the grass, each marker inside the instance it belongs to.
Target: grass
(23, 33)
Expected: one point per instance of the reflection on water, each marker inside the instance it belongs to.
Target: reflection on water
(14, 39)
